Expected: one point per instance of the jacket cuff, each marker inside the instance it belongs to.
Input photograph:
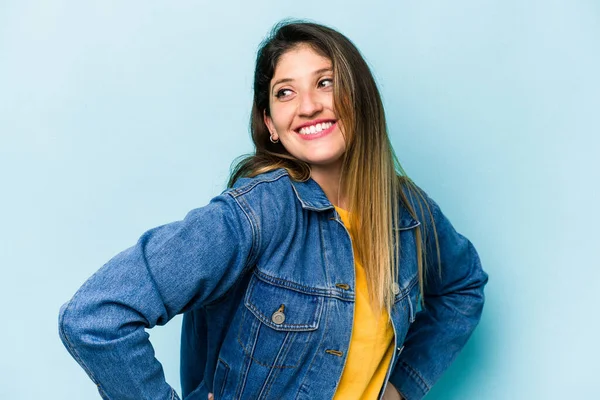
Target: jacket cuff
(409, 382)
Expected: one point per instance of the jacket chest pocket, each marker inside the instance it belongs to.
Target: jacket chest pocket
(277, 324)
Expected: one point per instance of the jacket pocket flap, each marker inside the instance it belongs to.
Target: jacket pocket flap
(281, 308)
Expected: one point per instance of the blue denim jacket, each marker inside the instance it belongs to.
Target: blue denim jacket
(265, 276)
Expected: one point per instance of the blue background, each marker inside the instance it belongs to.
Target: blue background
(116, 117)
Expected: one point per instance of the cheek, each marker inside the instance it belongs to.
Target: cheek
(278, 116)
(283, 121)
(342, 132)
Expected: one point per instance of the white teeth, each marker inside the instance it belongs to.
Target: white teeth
(307, 130)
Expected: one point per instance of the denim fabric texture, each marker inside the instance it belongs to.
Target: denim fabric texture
(264, 275)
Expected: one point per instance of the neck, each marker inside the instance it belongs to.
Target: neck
(328, 178)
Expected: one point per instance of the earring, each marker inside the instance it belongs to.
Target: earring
(273, 141)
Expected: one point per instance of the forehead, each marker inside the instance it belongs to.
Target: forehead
(300, 61)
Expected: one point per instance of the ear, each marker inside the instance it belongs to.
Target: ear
(269, 123)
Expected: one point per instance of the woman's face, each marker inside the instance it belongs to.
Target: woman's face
(301, 103)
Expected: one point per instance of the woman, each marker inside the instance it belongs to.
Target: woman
(302, 280)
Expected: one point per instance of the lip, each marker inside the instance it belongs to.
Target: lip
(320, 134)
(314, 122)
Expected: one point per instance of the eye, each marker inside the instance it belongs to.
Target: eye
(282, 93)
(327, 82)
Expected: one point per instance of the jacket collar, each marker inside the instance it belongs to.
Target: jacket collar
(312, 197)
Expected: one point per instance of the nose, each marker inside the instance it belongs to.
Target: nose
(309, 104)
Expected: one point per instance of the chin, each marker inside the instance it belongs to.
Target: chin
(321, 159)
(323, 162)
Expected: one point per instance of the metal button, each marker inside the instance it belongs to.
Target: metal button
(278, 316)
(396, 288)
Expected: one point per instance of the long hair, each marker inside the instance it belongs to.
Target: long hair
(372, 178)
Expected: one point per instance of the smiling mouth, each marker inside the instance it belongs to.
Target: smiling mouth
(314, 129)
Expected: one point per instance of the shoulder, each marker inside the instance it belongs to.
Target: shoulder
(276, 180)
(269, 203)
(414, 201)
(264, 196)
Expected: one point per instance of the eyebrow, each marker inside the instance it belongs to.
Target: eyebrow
(317, 72)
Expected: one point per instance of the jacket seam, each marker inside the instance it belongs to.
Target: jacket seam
(274, 372)
(416, 376)
(324, 245)
(228, 368)
(311, 206)
(405, 292)
(253, 222)
(274, 366)
(286, 327)
(333, 293)
(237, 192)
(316, 349)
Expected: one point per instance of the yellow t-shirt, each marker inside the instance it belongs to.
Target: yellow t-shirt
(371, 343)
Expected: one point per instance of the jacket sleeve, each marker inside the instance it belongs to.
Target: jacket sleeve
(171, 269)
(453, 302)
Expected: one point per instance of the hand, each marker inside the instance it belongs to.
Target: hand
(210, 396)
(391, 393)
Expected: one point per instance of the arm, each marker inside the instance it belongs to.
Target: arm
(453, 305)
(172, 268)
